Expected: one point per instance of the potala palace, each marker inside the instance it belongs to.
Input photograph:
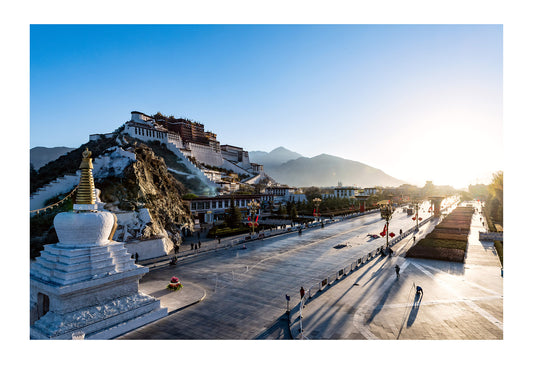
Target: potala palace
(194, 146)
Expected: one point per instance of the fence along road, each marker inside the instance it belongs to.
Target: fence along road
(246, 288)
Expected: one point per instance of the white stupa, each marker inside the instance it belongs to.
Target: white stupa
(86, 283)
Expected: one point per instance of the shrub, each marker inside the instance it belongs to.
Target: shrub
(448, 236)
(443, 243)
(451, 255)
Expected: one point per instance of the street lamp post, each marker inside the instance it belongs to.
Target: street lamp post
(253, 206)
(316, 202)
(416, 204)
(386, 214)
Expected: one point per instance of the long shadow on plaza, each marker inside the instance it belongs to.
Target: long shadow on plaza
(326, 315)
(280, 329)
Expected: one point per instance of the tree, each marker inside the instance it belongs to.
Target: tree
(291, 209)
(479, 191)
(311, 193)
(234, 218)
(495, 203)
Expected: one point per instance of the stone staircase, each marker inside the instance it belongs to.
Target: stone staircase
(192, 167)
(58, 186)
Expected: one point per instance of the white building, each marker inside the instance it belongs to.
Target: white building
(345, 191)
(284, 194)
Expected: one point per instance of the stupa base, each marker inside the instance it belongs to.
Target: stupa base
(106, 321)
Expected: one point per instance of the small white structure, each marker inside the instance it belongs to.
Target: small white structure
(86, 283)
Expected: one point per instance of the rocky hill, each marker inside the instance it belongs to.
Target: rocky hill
(146, 183)
(137, 183)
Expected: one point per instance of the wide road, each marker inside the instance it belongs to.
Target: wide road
(246, 288)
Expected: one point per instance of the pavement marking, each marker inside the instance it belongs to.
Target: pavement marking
(358, 320)
(465, 281)
(438, 302)
(467, 301)
(303, 246)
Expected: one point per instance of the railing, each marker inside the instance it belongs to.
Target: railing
(356, 263)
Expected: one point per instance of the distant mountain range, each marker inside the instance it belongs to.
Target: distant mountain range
(40, 156)
(324, 170)
(273, 158)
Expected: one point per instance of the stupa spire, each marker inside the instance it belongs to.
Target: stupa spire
(85, 194)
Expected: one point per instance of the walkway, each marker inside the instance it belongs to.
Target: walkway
(460, 301)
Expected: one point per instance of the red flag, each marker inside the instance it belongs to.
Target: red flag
(414, 218)
(256, 218)
(314, 212)
(392, 234)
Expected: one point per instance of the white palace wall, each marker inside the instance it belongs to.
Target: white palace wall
(206, 155)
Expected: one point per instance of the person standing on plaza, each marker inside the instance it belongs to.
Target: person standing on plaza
(302, 292)
(397, 268)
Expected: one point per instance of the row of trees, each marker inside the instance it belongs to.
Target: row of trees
(494, 204)
(491, 194)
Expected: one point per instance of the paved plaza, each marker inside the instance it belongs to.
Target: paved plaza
(240, 293)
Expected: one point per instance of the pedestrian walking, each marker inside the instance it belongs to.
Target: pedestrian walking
(419, 290)
(199, 244)
(192, 245)
(397, 268)
(414, 239)
(302, 292)
(136, 257)
(195, 246)
(176, 249)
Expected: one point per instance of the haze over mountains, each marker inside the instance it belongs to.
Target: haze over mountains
(324, 170)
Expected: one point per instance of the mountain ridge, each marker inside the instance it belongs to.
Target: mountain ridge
(322, 170)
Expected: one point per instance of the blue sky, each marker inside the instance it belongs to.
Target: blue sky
(384, 95)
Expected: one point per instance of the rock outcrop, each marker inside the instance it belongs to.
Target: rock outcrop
(147, 184)
(140, 190)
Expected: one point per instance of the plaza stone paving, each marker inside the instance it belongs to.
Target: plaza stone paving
(240, 294)
(459, 301)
